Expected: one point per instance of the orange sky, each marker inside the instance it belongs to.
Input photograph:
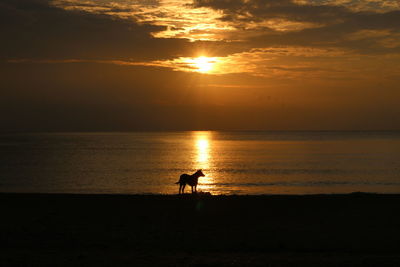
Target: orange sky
(72, 65)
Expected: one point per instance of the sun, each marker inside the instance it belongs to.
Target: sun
(203, 64)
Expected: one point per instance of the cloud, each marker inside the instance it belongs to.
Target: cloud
(37, 29)
(316, 23)
(357, 5)
(178, 17)
(145, 31)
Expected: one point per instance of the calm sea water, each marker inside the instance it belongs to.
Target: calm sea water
(234, 162)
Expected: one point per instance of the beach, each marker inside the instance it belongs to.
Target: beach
(200, 230)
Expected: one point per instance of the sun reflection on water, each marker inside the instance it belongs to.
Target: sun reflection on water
(203, 158)
(202, 152)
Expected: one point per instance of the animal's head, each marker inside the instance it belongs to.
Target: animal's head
(200, 173)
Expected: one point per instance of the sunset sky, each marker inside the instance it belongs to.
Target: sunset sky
(83, 65)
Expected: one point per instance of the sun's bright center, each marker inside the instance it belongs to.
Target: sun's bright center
(204, 64)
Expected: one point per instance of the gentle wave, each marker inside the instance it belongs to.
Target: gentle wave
(233, 162)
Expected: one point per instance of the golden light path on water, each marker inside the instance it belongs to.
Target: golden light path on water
(202, 141)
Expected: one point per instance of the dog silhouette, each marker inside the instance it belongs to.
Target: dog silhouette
(190, 180)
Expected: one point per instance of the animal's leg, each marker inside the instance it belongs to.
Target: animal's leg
(180, 186)
(192, 188)
(195, 188)
(183, 189)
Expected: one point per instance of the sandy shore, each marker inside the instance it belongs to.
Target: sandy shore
(202, 230)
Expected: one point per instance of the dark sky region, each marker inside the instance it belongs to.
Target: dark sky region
(82, 65)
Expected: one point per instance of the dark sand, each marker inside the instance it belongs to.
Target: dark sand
(202, 230)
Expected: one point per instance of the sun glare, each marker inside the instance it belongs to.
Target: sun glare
(202, 145)
(204, 64)
(201, 64)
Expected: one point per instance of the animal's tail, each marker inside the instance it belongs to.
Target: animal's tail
(177, 182)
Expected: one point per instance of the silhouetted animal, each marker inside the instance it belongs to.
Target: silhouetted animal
(190, 180)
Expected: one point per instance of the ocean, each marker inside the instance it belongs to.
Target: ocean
(233, 162)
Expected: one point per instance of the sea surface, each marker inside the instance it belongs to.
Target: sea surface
(234, 162)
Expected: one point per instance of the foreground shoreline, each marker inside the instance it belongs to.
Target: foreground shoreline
(359, 229)
(199, 194)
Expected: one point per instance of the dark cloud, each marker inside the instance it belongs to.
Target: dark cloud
(256, 10)
(333, 24)
(34, 29)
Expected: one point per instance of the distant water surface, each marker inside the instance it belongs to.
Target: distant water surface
(234, 162)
